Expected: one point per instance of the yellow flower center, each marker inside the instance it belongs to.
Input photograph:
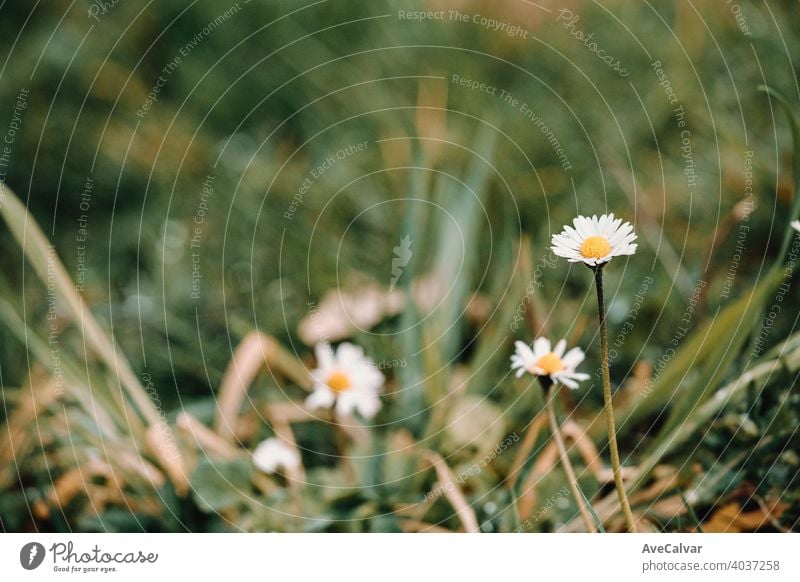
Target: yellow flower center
(595, 247)
(550, 364)
(338, 381)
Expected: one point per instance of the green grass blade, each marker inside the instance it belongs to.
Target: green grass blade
(50, 270)
(596, 518)
(692, 513)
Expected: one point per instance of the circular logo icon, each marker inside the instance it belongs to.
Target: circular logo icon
(31, 555)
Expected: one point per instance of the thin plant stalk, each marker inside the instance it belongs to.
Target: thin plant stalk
(607, 399)
(562, 453)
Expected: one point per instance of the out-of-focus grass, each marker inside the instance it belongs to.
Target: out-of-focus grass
(258, 125)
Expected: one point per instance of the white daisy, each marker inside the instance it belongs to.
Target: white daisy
(544, 361)
(274, 454)
(347, 378)
(595, 240)
(796, 225)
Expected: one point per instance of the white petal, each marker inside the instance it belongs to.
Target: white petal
(324, 354)
(561, 252)
(522, 348)
(572, 235)
(620, 234)
(346, 403)
(321, 397)
(273, 453)
(559, 240)
(348, 355)
(560, 347)
(376, 379)
(572, 358)
(368, 405)
(366, 375)
(320, 375)
(583, 226)
(524, 354)
(541, 347)
(566, 382)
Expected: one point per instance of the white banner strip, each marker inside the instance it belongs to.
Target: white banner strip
(400, 557)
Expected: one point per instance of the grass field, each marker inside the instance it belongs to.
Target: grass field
(199, 196)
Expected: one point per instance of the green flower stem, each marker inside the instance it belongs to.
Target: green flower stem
(550, 386)
(609, 407)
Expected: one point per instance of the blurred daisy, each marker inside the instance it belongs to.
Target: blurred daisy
(347, 378)
(796, 225)
(595, 240)
(274, 454)
(544, 361)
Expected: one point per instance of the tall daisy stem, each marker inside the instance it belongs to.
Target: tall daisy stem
(562, 452)
(607, 399)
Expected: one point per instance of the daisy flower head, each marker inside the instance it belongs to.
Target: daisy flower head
(543, 360)
(346, 378)
(796, 225)
(595, 240)
(273, 455)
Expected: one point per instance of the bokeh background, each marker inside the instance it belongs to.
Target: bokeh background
(214, 173)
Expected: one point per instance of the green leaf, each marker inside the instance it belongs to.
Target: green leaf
(219, 486)
(459, 239)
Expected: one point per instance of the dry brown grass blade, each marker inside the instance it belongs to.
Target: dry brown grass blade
(247, 361)
(590, 455)
(107, 418)
(208, 441)
(666, 479)
(790, 359)
(76, 481)
(45, 262)
(165, 449)
(588, 452)
(545, 463)
(255, 351)
(250, 422)
(453, 493)
(347, 423)
(16, 438)
(99, 482)
(290, 411)
(669, 508)
(525, 447)
(732, 519)
(773, 511)
(266, 484)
